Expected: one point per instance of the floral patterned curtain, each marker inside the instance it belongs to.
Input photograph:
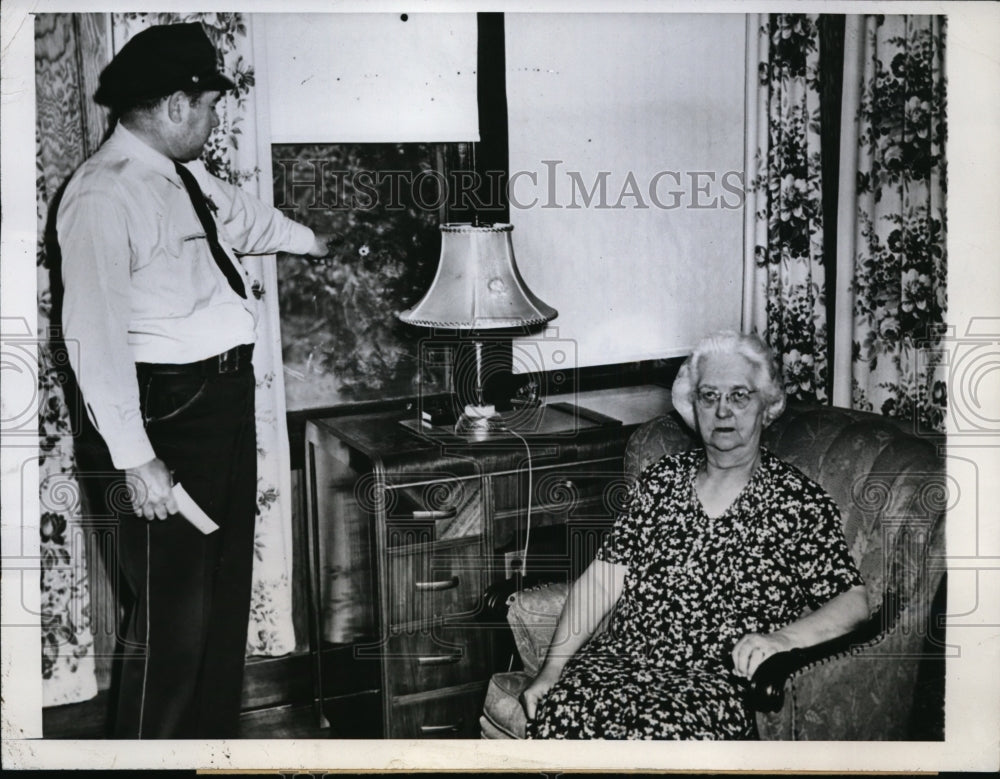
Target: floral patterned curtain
(898, 266)
(785, 301)
(70, 51)
(68, 130)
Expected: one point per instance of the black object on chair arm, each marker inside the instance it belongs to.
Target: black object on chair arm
(766, 690)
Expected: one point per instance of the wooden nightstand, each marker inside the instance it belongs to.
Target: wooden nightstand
(406, 531)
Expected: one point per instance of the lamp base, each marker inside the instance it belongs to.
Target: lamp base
(479, 420)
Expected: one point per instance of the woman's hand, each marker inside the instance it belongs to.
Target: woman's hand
(754, 648)
(837, 616)
(534, 693)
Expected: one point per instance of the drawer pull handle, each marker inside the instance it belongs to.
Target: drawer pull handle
(432, 514)
(441, 728)
(439, 659)
(440, 584)
(583, 483)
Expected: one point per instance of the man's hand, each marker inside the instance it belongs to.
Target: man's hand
(151, 487)
(754, 648)
(321, 246)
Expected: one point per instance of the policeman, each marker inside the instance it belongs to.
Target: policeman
(157, 302)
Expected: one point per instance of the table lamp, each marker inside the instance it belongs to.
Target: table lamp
(477, 288)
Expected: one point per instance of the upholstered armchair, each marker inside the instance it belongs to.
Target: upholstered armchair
(885, 680)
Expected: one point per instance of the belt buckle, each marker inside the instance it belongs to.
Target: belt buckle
(229, 361)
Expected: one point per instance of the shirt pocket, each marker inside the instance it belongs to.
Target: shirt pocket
(178, 272)
(182, 233)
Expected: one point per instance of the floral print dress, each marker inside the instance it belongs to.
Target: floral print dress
(695, 586)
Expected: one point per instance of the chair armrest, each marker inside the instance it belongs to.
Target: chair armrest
(766, 690)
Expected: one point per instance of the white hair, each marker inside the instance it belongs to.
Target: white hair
(731, 343)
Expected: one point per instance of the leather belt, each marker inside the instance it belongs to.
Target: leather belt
(237, 360)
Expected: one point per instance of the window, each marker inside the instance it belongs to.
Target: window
(341, 339)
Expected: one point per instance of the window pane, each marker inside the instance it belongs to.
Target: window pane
(341, 340)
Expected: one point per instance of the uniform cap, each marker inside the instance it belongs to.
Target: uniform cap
(160, 61)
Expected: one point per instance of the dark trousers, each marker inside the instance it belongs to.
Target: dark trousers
(183, 648)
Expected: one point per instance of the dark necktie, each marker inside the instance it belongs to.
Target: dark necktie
(211, 231)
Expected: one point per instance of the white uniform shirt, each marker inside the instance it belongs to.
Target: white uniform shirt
(141, 284)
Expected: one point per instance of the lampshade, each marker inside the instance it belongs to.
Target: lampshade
(478, 286)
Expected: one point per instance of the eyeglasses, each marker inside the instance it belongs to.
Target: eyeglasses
(737, 398)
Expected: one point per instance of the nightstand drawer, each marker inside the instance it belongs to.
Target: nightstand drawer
(440, 656)
(430, 581)
(562, 490)
(434, 510)
(451, 714)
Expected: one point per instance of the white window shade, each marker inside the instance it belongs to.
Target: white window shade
(628, 105)
(370, 78)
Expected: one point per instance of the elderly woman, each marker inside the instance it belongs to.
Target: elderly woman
(724, 556)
